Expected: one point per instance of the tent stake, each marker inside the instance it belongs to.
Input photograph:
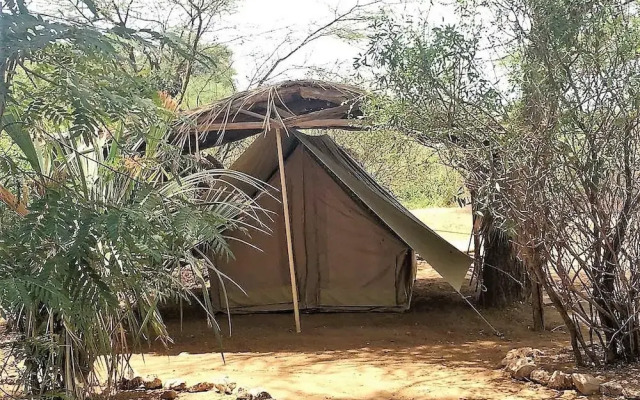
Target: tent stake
(287, 227)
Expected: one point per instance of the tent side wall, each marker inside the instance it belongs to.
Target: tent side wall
(260, 264)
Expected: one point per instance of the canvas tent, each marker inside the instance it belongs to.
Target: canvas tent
(353, 243)
(348, 243)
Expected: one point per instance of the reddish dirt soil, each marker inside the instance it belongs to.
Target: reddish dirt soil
(440, 349)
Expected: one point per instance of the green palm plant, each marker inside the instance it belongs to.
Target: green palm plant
(81, 269)
(111, 212)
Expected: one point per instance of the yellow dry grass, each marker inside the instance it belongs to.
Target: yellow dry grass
(452, 223)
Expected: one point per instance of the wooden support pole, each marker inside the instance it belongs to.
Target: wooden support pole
(289, 123)
(287, 228)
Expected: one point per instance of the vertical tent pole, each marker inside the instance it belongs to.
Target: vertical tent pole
(287, 227)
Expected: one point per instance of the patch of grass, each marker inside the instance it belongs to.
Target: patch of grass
(452, 223)
(408, 169)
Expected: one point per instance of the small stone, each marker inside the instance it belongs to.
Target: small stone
(224, 385)
(137, 382)
(130, 384)
(152, 382)
(259, 394)
(560, 381)
(521, 369)
(243, 394)
(540, 376)
(175, 384)
(169, 395)
(523, 352)
(631, 394)
(586, 384)
(184, 353)
(123, 384)
(613, 389)
(201, 387)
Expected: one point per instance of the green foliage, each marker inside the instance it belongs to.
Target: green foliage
(75, 274)
(205, 89)
(210, 84)
(434, 73)
(435, 186)
(548, 148)
(409, 170)
(115, 212)
(211, 77)
(432, 88)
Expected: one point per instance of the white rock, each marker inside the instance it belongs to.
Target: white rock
(224, 385)
(540, 376)
(586, 384)
(612, 389)
(152, 382)
(202, 387)
(523, 352)
(130, 384)
(259, 394)
(175, 384)
(243, 394)
(521, 368)
(560, 381)
(631, 394)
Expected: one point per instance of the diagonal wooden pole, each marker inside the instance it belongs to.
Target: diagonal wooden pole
(287, 228)
(12, 201)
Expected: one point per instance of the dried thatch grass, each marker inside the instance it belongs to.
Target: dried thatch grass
(304, 104)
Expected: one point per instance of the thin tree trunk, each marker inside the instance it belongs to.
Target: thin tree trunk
(536, 268)
(503, 275)
(537, 306)
(577, 341)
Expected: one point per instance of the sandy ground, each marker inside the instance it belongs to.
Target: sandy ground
(440, 349)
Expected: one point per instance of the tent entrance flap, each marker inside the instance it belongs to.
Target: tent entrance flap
(355, 257)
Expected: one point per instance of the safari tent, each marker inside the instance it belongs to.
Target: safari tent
(336, 240)
(354, 244)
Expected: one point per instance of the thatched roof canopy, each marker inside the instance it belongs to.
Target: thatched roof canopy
(303, 104)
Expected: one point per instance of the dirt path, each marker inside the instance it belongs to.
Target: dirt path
(439, 350)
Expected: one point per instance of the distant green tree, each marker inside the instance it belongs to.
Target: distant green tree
(436, 94)
(408, 169)
(209, 84)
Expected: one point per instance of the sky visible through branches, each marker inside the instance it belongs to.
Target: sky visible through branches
(257, 31)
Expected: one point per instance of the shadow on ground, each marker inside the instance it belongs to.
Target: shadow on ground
(440, 350)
